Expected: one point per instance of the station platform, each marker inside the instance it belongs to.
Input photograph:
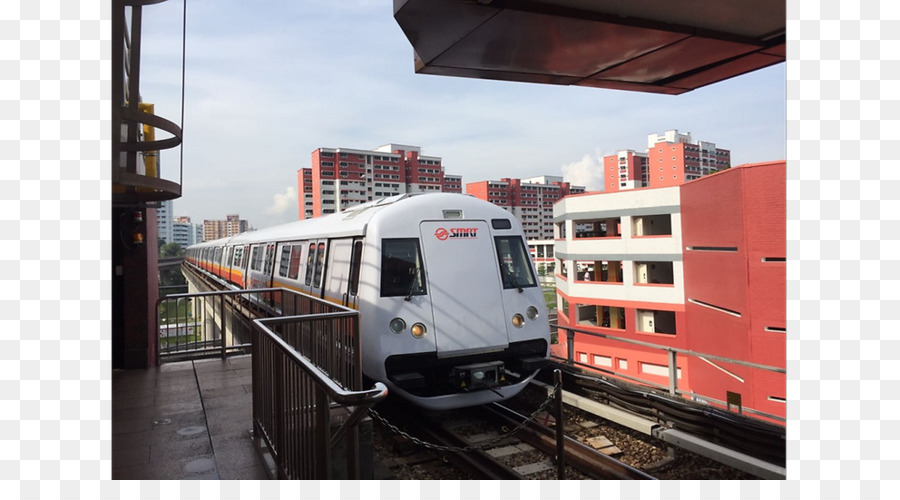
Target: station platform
(184, 420)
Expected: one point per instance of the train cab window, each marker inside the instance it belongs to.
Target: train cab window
(515, 262)
(320, 263)
(401, 268)
(294, 267)
(309, 262)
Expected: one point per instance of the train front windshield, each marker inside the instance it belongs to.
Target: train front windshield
(402, 274)
(515, 267)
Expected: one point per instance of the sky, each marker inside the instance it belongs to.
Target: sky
(267, 83)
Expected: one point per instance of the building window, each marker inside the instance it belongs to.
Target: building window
(652, 225)
(602, 361)
(661, 273)
(651, 321)
(658, 370)
(599, 271)
(598, 228)
(600, 316)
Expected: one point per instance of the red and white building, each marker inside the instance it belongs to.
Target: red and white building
(340, 178)
(699, 267)
(531, 201)
(671, 159)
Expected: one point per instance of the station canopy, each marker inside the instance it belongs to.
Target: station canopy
(659, 46)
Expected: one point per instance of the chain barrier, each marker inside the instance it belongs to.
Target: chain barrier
(458, 449)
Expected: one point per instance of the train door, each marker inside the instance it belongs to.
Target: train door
(355, 265)
(340, 269)
(255, 273)
(269, 264)
(315, 267)
(226, 264)
(237, 275)
(464, 286)
(245, 267)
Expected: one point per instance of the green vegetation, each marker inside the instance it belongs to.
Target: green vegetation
(171, 311)
(550, 297)
(181, 340)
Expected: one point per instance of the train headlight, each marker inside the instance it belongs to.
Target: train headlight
(398, 325)
(531, 312)
(518, 320)
(418, 330)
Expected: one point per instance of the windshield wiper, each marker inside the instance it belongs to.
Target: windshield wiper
(512, 279)
(412, 286)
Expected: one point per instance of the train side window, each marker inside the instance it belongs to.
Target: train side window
(270, 260)
(320, 262)
(238, 256)
(256, 259)
(309, 262)
(285, 260)
(355, 258)
(294, 267)
(515, 262)
(401, 268)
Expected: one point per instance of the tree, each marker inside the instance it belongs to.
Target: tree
(171, 250)
(171, 276)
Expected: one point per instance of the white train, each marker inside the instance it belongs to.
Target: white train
(451, 312)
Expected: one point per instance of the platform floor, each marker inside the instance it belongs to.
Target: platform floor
(184, 420)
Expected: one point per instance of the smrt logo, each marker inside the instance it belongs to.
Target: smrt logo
(456, 232)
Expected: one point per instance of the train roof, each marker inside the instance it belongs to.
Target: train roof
(353, 221)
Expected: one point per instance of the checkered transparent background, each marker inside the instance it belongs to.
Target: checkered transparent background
(843, 299)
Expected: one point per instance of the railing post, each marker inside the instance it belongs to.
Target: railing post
(570, 345)
(222, 329)
(323, 429)
(560, 432)
(279, 438)
(673, 372)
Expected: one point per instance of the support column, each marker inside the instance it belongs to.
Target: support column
(135, 288)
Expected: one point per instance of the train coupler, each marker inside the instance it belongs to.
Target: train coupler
(478, 375)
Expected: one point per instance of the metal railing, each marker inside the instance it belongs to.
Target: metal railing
(306, 376)
(306, 370)
(210, 323)
(672, 354)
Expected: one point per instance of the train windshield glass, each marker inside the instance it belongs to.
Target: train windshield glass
(402, 274)
(515, 264)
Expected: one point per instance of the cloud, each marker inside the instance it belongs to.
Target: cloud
(587, 172)
(282, 202)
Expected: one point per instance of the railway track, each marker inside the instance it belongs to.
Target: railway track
(488, 442)
(489, 434)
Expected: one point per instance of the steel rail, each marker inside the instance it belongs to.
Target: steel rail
(586, 459)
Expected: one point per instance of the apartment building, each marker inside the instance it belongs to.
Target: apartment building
(340, 178)
(699, 267)
(530, 200)
(184, 232)
(671, 159)
(164, 221)
(232, 225)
